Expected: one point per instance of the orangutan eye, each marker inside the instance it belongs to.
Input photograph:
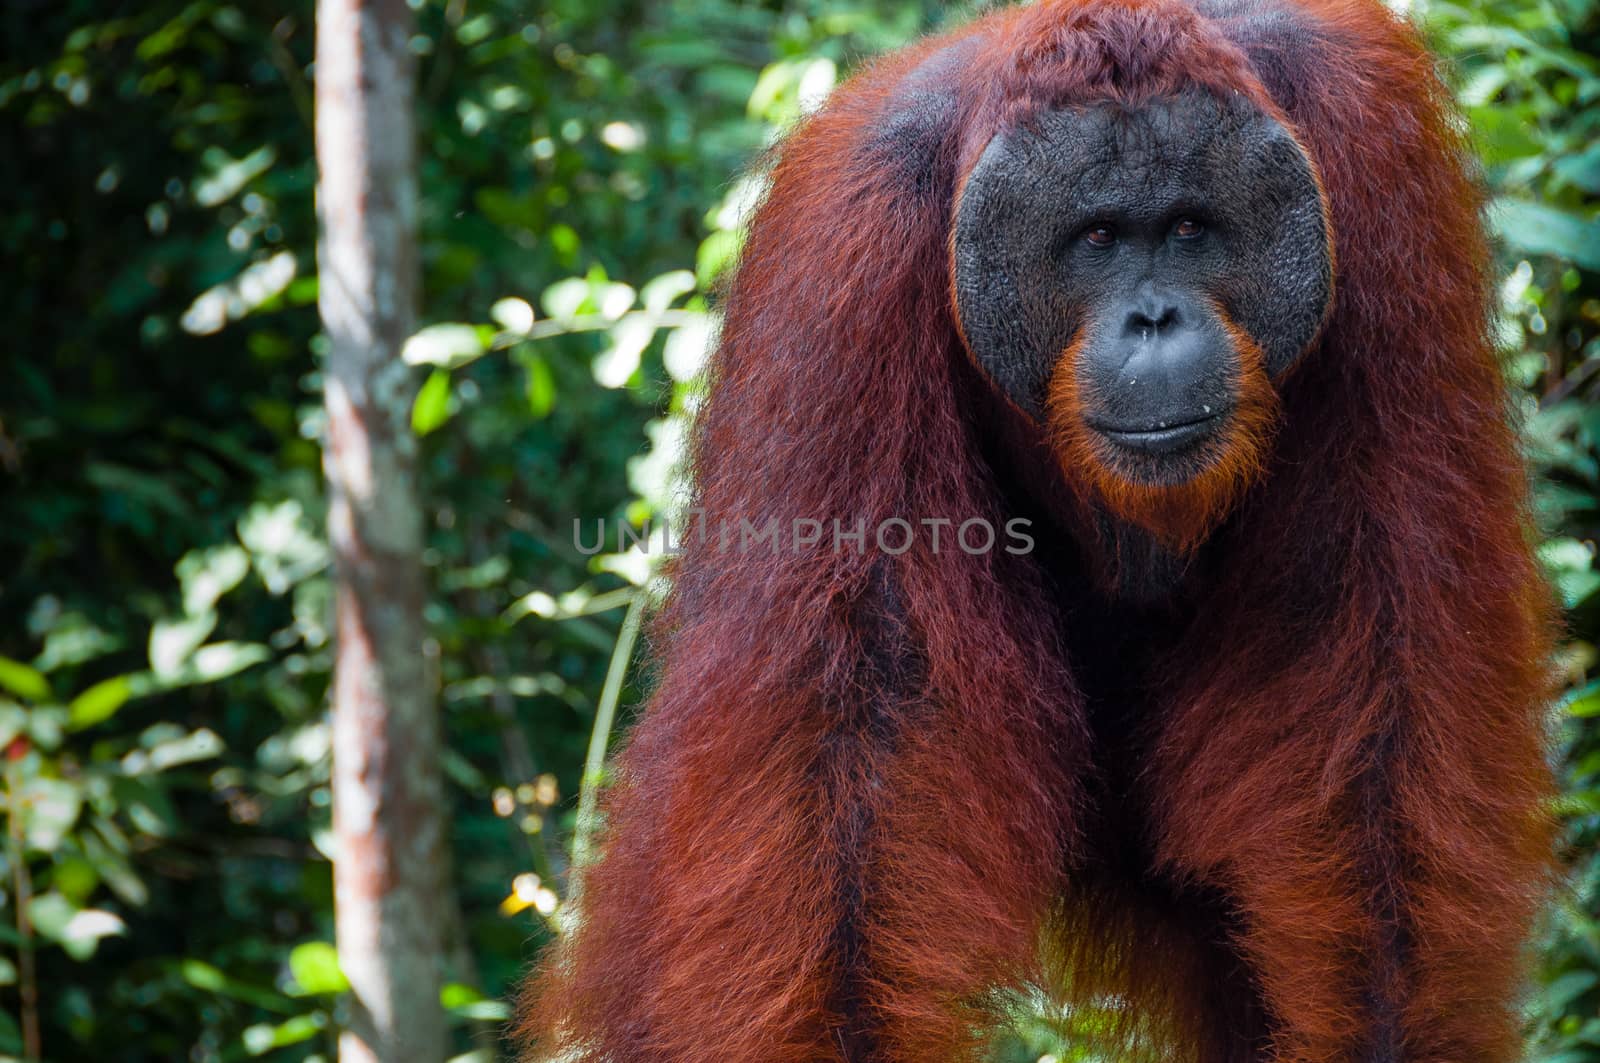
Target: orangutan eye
(1187, 229)
(1100, 236)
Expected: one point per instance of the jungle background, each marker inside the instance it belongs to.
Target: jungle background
(164, 584)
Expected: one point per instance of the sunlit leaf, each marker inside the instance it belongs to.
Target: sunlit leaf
(717, 252)
(199, 744)
(1570, 564)
(253, 287)
(513, 314)
(617, 363)
(84, 931)
(73, 639)
(206, 575)
(172, 642)
(49, 809)
(264, 1037)
(228, 175)
(565, 298)
(223, 659)
(776, 79)
(284, 546)
(50, 913)
(660, 293)
(687, 348)
(315, 967)
(611, 298)
(77, 930)
(449, 346)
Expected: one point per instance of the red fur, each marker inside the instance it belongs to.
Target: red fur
(866, 796)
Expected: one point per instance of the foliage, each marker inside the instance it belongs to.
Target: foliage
(1529, 81)
(163, 684)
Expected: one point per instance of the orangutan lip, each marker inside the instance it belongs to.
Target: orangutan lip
(1162, 439)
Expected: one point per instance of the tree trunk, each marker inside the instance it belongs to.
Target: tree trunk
(386, 789)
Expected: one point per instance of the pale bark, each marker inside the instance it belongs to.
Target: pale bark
(386, 790)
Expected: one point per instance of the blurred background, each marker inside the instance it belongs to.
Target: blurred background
(165, 888)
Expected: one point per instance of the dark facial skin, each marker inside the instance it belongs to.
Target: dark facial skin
(1137, 238)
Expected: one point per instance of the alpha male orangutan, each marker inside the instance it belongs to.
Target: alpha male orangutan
(1246, 748)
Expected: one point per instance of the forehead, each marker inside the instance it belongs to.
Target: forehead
(1130, 160)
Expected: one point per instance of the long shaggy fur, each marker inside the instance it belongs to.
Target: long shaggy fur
(870, 793)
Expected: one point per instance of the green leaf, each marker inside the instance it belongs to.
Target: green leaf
(770, 87)
(75, 878)
(50, 913)
(315, 967)
(173, 640)
(284, 546)
(1582, 169)
(99, 703)
(114, 869)
(1585, 707)
(73, 639)
(145, 805)
(1503, 134)
(432, 406)
(1566, 989)
(49, 809)
(1584, 701)
(164, 753)
(206, 575)
(456, 994)
(659, 294)
(541, 387)
(222, 659)
(1537, 229)
(23, 680)
(229, 175)
(1576, 803)
(466, 1002)
(10, 1034)
(208, 979)
(46, 726)
(715, 255)
(85, 930)
(13, 721)
(264, 1037)
(1571, 565)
